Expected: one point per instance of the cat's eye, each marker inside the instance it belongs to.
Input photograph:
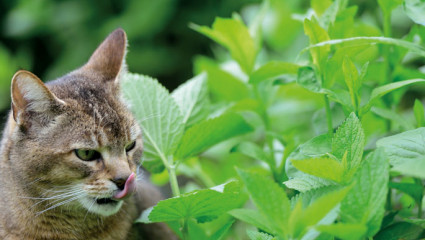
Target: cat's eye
(87, 154)
(130, 146)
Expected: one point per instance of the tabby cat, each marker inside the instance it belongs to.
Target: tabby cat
(69, 156)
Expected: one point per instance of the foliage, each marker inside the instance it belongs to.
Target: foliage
(309, 137)
(308, 122)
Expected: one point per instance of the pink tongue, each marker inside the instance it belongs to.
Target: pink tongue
(129, 188)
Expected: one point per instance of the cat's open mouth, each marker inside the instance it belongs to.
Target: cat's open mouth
(102, 201)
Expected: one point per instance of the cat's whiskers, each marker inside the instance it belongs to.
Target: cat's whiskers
(58, 204)
(88, 209)
(66, 193)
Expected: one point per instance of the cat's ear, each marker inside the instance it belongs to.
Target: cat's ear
(109, 58)
(29, 94)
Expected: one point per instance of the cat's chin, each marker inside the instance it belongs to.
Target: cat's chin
(101, 206)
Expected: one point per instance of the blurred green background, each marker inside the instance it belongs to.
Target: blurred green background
(51, 38)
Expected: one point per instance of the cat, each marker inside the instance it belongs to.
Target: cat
(69, 156)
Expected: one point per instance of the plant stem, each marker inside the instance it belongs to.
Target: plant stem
(173, 180)
(328, 115)
(184, 229)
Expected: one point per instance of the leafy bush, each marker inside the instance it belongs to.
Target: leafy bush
(307, 140)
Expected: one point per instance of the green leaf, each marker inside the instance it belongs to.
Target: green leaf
(317, 34)
(412, 189)
(221, 232)
(192, 99)
(378, 92)
(351, 77)
(350, 138)
(272, 69)
(307, 78)
(210, 132)
(315, 147)
(270, 200)
(157, 113)
(203, 205)
(393, 116)
(252, 217)
(195, 230)
(217, 78)
(400, 230)
(359, 41)
(344, 231)
(254, 151)
(415, 10)
(406, 152)
(259, 236)
(329, 16)
(307, 182)
(304, 218)
(320, 6)
(233, 35)
(323, 167)
(365, 203)
(416, 221)
(418, 110)
(388, 5)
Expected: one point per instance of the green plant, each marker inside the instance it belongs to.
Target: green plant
(307, 140)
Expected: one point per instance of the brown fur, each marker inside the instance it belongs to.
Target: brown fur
(81, 110)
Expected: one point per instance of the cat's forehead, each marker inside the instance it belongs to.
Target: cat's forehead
(95, 109)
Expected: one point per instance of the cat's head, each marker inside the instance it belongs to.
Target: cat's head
(74, 143)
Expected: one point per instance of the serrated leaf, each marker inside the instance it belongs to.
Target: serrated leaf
(344, 231)
(307, 183)
(307, 78)
(406, 152)
(315, 147)
(272, 69)
(252, 217)
(414, 9)
(259, 236)
(310, 216)
(418, 110)
(210, 132)
(233, 35)
(365, 203)
(203, 205)
(192, 99)
(270, 200)
(379, 92)
(323, 167)
(156, 112)
(349, 137)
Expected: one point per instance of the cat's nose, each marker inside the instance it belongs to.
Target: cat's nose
(125, 189)
(120, 182)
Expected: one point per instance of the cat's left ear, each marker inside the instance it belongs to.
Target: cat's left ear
(109, 58)
(30, 95)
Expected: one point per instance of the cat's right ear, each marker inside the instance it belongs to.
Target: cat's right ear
(29, 94)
